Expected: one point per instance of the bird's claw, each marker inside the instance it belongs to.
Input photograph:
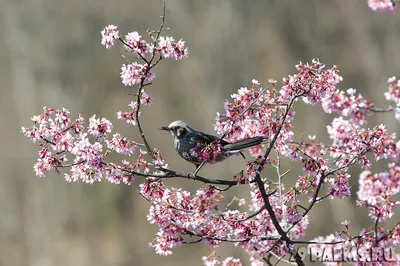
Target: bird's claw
(192, 175)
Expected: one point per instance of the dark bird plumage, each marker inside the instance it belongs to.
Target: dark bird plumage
(188, 140)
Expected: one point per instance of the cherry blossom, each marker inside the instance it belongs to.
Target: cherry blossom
(99, 128)
(348, 105)
(109, 35)
(133, 74)
(376, 190)
(129, 117)
(134, 43)
(382, 5)
(121, 145)
(171, 49)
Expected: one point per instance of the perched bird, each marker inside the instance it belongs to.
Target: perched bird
(189, 142)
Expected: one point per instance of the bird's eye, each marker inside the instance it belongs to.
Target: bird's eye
(181, 131)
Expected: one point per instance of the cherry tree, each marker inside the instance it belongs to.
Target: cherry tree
(276, 216)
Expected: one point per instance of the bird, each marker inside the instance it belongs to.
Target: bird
(189, 141)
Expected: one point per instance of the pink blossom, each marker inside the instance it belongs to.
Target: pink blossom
(129, 117)
(109, 35)
(210, 261)
(158, 159)
(170, 49)
(134, 43)
(62, 118)
(340, 186)
(145, 99)
(230, 261)
(100, 128)
(132, 74)
(348, 105)
(382, 5)
(352, 143)
(313, 81)
(115, 175)
(376, 189)
(393, 93)
(121, 145)
(208, 154)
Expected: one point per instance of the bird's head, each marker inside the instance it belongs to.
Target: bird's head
(178, 129)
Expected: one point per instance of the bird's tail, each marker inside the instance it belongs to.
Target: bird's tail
(245, 143)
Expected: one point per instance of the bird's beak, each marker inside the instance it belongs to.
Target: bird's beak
(164, 128)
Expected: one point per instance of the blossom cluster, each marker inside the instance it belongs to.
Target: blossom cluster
(130, 116)
(167, 47)
(177, 213)
(376, 190)
(351, 143)
(62, 139)
(109, 35)
(313, 82)
(347, 104)
(382, 5)
(393, 94)
(135, 73)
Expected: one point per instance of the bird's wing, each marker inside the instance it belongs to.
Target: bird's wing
(244, 143)
(211, 138)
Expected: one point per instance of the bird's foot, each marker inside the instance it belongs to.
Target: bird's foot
(194, 174)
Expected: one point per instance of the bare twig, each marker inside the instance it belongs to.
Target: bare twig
(189, 176)
(378, 110)
(247, 218)
(376, 228)
(71, 164)
(278, 172)
(252, 215)
(142, 84)
(47, 141)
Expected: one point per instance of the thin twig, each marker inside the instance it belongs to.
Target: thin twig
(261, 187)
(130, 47)
(378, 110)
(376, 228)
(142, 84)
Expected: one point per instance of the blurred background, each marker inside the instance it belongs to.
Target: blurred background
(50, 54)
